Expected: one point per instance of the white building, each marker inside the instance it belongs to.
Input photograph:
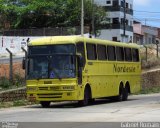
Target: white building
(114, 29)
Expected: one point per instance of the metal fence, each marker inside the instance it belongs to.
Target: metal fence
(149, 51)
(45, 31)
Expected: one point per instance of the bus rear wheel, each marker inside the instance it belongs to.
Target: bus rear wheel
(123, 94)
(45, 104)
(85, 101)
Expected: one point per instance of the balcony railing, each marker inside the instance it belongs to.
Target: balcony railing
(118, 8)
(116, 26)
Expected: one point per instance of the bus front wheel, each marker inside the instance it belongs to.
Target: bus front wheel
(45, 104)
(85, 101)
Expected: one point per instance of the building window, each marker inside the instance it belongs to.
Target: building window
(130, 41)
(150, 40)
(122, 21)
(126, 22)
(114, 38)
(127, 5)
(115, 20)
(122, 4)
(131, 6)
(153, 40)
(115, 3)
(108, 2)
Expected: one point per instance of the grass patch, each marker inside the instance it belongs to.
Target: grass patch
(16, 103)
(150, 90)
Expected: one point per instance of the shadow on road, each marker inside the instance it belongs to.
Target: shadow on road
(74, 104)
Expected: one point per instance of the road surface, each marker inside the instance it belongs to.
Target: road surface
(6, 60)
(141, 108)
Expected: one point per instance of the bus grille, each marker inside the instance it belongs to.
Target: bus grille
(53, 95)
(43, 88)
(49, 88)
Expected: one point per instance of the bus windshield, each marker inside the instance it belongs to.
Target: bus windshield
(51, 65)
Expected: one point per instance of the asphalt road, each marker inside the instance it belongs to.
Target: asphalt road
(141, 108)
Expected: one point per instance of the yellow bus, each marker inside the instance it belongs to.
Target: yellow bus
(74, 68)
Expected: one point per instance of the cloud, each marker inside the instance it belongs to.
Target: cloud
(142, 2)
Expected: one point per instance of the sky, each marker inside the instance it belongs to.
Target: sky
(147, 12)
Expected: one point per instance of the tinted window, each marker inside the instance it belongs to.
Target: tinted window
(128, 54)
(111, 53)
(91, 52)
(135, 54)
(101, 51)
(80, 49)
(52, 49)
(120, 54)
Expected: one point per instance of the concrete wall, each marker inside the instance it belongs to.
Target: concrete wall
(107, 34)
(13, 43)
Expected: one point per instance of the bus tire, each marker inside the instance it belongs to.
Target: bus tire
(91, 101)
(123, 94)
(45, 104)
(85, 101)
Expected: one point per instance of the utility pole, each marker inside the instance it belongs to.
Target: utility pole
(82, 18)
(145, 22)
(93, 18)
(124, 21)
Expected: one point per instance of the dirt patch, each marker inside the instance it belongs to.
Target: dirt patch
(17, 69)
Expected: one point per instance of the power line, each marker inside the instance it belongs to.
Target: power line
(145, 11)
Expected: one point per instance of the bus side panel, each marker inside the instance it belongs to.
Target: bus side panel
(105, 77)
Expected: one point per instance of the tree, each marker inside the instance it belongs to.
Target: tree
(49, 13)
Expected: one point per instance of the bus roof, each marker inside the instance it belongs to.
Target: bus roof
(74, 39)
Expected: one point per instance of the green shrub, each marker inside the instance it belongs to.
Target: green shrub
(18, 80)
(150, 90)
(4, 82)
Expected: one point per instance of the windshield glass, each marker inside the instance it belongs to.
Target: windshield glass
(56, 65)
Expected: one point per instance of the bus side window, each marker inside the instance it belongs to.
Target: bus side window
(135, 54)
(111, 53)
(91, 52)
(120, 53)
(80, 49)
(101, 51)
(128, 54)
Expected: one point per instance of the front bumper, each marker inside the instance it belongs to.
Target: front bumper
(53, 96)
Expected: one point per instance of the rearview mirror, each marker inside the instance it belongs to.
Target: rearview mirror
(80, 60)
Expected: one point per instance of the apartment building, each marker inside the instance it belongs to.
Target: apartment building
(116, 11)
